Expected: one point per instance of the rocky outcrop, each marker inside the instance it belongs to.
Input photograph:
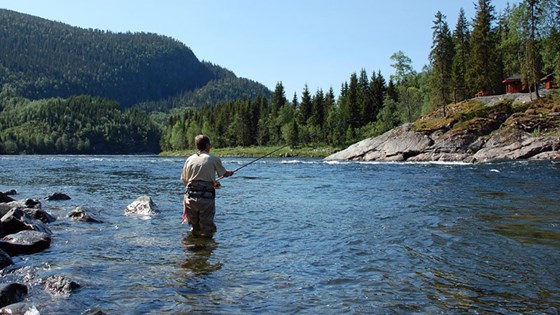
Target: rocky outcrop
(473, 133)
(405, 144)
(143, 206)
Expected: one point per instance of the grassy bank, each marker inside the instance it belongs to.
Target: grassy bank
(256, 151)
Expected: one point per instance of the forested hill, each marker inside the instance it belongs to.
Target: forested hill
(42, 59)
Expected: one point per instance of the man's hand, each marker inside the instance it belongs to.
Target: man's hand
(228, 173)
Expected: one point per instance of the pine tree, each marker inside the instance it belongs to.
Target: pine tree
(305, 107)
(441, 59)
(353, 107)
(484, 72)
(377, 89)
(531, 66)
(460, 58)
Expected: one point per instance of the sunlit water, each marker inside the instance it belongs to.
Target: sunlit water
(298, 236)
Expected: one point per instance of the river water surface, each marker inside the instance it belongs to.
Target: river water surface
(298, 236)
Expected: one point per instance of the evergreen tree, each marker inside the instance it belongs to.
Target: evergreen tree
(377, 91)
(353, 107)
(461, 36)
(278, 98)
(305, 107)
(484, 72)
(441, 59)
(531, 66)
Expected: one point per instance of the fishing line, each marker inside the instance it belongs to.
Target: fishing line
(253, 161)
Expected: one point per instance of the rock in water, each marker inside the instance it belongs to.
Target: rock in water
(60, 285)
(25, 242)
(80, 214)
(58, 196)
(143, 206)
(12, 293)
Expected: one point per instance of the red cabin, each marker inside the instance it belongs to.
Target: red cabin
(548, 81)
(514, 85)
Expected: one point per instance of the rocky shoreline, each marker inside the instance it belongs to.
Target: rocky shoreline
(24, 230)
(471, 132)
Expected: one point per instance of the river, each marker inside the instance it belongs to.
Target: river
(298, 236)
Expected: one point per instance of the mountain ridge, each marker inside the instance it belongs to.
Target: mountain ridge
(40, 58)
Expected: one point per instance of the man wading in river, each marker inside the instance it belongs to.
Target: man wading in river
(199, 177)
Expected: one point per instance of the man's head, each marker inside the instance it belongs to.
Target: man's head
(202, 142)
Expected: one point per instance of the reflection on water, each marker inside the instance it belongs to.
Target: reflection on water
(198, 251)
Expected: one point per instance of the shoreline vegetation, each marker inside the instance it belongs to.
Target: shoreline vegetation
(258, 151)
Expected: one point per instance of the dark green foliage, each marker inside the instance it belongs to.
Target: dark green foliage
(485, 71)
(77, 125)
(460, 64)
(441, 60)
(42, 59)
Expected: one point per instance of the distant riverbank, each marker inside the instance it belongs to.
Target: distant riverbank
(256, 151)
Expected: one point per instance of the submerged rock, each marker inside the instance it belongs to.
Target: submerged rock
(12, 293)
(25, 242)
(80, 214)
(142, 206)
(58, 196)
(60, 285)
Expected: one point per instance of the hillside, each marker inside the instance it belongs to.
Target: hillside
(43, 59)
(471, 131)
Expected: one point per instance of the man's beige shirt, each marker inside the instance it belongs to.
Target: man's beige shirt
(202, 166)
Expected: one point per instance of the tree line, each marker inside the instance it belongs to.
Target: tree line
(76, 125)
(475, 57)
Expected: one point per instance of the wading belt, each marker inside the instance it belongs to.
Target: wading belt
(201, 189)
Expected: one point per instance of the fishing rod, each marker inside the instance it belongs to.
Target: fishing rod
(253, 161)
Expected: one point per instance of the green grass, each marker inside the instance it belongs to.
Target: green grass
(257, 151)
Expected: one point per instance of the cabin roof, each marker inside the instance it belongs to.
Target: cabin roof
(548, 77)
(513, 78)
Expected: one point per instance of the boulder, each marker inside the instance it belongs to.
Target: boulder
(25, 242)
(27, 203)
(39, 214)
(12, 293)
(11, 192)
(18, 220)
(5, 260)
(60, 285)
(80, 214)
(58, 196)
(143, 206)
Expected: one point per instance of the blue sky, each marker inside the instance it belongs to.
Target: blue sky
(315, 42)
